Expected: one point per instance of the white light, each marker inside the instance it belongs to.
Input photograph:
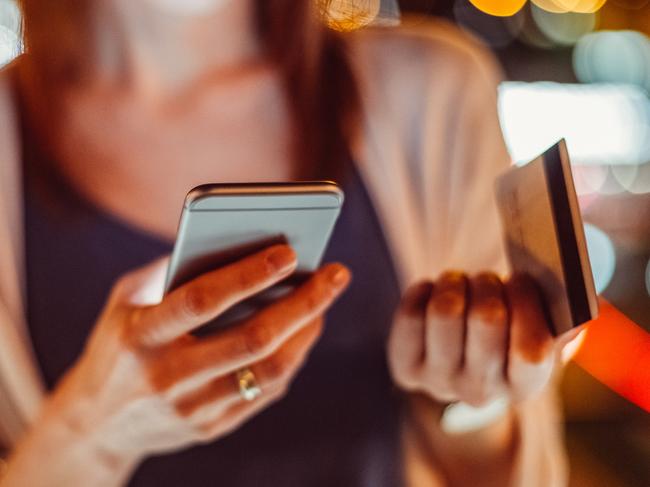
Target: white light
(389, 13)
(563, 28)
(601, 255)
(613, 57)
(9, 45)
(10, 15)
(602, 123)
(189, 7)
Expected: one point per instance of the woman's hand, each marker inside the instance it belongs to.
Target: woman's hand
(144, 385)
(472, 339)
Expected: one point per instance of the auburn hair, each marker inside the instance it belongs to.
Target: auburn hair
(319, 84)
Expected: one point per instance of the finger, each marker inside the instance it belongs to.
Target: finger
(486, 341)
(219, 394)
(238, 414)
(209, 295)
(406, 343)
(569, 343)
(531, 354)
(142, 286)
(259, 336)
(445, 328)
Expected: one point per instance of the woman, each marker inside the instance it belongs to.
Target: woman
(118, 109)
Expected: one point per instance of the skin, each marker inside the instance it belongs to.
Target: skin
(143, 385)
(157, 98)
(479, 338)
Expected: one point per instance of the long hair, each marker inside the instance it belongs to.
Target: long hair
(319, 85)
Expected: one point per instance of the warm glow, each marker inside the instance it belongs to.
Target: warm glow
(588, 6)
(616, 351)
(499, 8)
(348, 15)
(556, 6)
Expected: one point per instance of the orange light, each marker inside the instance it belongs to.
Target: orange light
(499, 8)
(556, 6)
(616, 351)
(588, 6)
(349, 15)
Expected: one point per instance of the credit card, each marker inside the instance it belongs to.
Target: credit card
(544, 235)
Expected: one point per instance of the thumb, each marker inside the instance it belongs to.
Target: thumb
(142, 286)
(569, 343)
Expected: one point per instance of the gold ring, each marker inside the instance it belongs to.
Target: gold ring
(248, 388)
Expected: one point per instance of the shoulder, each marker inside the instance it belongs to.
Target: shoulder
(421, 56)
(8, 122)
(7, 95)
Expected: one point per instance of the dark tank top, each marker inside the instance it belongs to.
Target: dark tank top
(337, 426)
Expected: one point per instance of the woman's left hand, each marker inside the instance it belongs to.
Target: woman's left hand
(472, 339)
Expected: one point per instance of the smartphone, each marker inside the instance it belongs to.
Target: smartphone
(222, 223)
(545, 238)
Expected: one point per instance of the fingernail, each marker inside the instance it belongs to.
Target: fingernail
(339, 275)
(280, 259)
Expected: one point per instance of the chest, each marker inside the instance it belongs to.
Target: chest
(132, 159)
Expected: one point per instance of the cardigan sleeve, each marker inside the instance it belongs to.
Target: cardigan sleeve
(467, 232)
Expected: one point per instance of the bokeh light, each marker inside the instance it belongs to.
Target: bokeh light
(601, 255)
(613, 57)
(602, 124)
(349, 15)
(555, 6)
(10, 15)
(10, 45)
(635, 179)
(499, 8)
(563, 28)
(587, 6)
(589, 178)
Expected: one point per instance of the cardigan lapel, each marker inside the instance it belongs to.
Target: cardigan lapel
(381, 160)
(21, 388)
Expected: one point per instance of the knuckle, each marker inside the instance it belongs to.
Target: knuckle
(158, 381)
(204, 433)
(161, 372)
(277, 367)
(183, 410)
(258, 338)
(452, 277)
(447, 304)
(491, 310)
(312, 301)
(488, 277)
(127, 331)
(193, 302)
(247, 279)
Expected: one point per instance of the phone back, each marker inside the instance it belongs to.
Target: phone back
(220, 224)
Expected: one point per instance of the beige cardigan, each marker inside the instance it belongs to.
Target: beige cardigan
(430, 148)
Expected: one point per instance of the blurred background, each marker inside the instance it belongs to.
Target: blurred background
(578, 69)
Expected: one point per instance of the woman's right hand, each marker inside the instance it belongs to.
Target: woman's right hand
(144, 385)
